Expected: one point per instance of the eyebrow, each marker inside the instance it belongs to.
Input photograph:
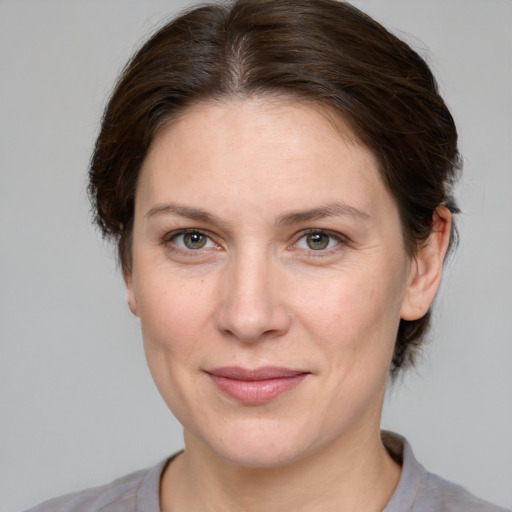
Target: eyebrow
(336, 209)
(189, 212)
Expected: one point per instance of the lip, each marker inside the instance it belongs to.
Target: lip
(255, 386)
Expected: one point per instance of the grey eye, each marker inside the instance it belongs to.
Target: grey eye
(194, 240)
(318, 241)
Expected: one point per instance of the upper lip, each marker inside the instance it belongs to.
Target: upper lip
(263, 373)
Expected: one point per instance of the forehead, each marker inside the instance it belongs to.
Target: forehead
(258, 150)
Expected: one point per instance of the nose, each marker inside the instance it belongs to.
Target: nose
(250, 307)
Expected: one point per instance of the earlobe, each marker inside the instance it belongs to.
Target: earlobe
(427, 268)
(130, 293)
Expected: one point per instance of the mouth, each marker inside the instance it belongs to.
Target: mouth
(255, 386)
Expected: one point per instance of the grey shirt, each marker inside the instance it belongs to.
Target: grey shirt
(417, 491)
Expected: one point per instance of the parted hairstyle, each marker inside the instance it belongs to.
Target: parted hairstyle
(321, 51)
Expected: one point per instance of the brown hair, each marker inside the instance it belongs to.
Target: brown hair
(323, 51)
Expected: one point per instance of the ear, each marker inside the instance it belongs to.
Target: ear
(130, 293)
(427, 268)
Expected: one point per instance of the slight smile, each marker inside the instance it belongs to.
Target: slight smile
(255, 386)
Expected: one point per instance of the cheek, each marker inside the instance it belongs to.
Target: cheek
(173, 314)
(355, 315)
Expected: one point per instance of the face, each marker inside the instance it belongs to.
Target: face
(269, 274)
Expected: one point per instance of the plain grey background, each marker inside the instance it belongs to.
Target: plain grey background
(77, 404)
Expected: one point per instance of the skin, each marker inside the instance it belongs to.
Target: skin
(256, 294)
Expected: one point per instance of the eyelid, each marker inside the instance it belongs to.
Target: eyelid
(168, 238)
(342, 240)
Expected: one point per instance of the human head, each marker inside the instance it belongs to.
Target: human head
(324, 52)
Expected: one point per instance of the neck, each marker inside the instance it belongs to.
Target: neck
(353, 473)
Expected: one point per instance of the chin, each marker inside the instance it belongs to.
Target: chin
(260, 455)
(260, 443)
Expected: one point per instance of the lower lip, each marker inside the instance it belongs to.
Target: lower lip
(256, 391)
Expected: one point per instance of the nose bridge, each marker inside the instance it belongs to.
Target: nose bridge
(250, 306)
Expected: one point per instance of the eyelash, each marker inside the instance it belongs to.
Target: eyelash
(341, 241)
(170, 238)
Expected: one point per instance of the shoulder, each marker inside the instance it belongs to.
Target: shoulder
(436, 493)
(131, 493)
(421, 491)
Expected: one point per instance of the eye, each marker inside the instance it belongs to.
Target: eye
(318, 241)
(191, 241)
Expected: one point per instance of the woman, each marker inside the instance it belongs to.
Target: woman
(277, 176)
